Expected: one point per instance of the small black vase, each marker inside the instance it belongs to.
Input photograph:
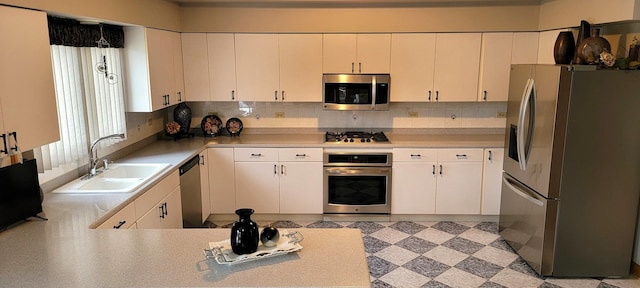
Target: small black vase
(564, 48)
(182, 115)
(244, 233)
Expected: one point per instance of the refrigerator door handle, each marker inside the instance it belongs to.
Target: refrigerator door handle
(522, 194)
(523, 148)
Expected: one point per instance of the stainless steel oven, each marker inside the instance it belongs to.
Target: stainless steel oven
(357, 182)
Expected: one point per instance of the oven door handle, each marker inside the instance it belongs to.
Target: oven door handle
(357, 170)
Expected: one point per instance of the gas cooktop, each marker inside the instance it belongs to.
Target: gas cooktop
(356, 137)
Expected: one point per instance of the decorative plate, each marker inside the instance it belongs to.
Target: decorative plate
(211, 125)
(234, 126)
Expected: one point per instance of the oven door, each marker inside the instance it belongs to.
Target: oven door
(351, 190)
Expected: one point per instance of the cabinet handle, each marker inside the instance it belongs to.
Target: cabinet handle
(352, 67)
(301, 155)
(161, 211)
(233, 94)
(440, 169)
(166, 210)
(4, 141)
(429, 95)
(275, 169)
(415, 155)
(461, 155)
(282, 94)
(202, 160)
(490, 156)
(179, 96)
(359, 67)
(437, 95)
(256, 155)
(275, 95)
(281, 169)
(119, 224)
(434, 169)
(15, 140)
(484, 97)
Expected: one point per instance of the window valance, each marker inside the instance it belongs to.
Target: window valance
(69, 32)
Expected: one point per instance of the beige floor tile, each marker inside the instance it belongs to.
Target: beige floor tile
(403, 277)
(513, 279)
(434, 235)
(396, 255)
(389, 235)
(574, 283)
(457, 278)
(479, 236)
(496, 256)
(445, 255)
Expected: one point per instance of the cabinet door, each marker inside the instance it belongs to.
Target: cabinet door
(495, 66)
(257, 67)
(161, 74)
(204, 185)
(222, 188)
(26, 78)
(257, 186)
(195, 66)
(458, 188)
(492, 181)
(457, 66)
(339, 53)
(546, 41)
(178, 75)
(300, 67)
(301, 187)
(412, 60)
(374, 53)
(222, 66)
(167, 214)
(123, 219)
(414, 188)
(525, 48)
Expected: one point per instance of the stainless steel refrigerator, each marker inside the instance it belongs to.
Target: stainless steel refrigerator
(571, 181)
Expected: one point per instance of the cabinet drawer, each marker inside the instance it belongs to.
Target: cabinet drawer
(123, 219)
(156, 193)
(460, 155)
(415, 155)
(300, 154)
(255, 154)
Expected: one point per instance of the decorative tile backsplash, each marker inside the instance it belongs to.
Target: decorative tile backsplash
(311, 115)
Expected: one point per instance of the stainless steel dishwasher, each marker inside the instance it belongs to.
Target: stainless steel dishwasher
(191, 194)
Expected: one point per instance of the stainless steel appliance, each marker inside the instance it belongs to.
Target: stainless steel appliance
(570, 187)
(356, 137)
(355, 91)
(357, 182)
(191, 195)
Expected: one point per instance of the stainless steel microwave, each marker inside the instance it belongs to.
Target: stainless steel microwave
(355, 91)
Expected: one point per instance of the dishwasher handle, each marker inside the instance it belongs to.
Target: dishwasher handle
(187, 166)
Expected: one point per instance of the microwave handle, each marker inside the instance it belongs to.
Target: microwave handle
(374, 85)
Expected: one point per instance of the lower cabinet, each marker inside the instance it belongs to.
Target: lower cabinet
(492, 181)
(123, 219)
(166, 214)
(204, 185)
(436, 181)
(222, 185)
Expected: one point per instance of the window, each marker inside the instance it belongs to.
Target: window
(90, 99)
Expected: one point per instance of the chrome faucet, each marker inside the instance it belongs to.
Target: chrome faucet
(93, 164)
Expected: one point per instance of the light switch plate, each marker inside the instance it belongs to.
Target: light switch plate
(501, 114)
(413, 114)
(279, 114)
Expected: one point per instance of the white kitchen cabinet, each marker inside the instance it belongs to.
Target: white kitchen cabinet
(457, 66)
(196, 69)
(257, 67)
(222, 66)
(204, 185)
(300, 180)
(546, 42)
(153, 65)
(257, 180)
(495, 66)
(222, 187)
(356, 53)
(160, 206)
(123, 219)
(26, 78)
(525, 48)
(492, 181)
(412, 61)
(414, 181)
(300, 57)
(167, 214)
(459, 174)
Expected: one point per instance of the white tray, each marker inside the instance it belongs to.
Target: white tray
(222, 253)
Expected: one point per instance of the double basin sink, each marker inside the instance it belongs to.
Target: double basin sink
(119, 178)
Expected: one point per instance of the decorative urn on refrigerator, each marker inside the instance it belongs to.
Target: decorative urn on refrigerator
(570, 185)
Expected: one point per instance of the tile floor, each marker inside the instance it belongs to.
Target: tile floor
(445, 254)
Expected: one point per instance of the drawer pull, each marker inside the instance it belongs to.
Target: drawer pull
(256, 155)
(119, 224)
(301, 155)
(416, 155)
(461, 155)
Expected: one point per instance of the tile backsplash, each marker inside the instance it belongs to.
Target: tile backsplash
(311, 115)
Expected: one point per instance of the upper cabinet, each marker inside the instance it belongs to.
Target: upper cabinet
(300, 67)
(457, 67)
(154, 69)
(257, 67)
(495, 66)
(356, 53)
(196, 70)
(26, 78)
(222, 66)
(525, 48)
(412, 61)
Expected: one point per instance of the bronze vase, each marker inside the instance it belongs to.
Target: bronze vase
(590, 48)
(564, 48)
(583, 33)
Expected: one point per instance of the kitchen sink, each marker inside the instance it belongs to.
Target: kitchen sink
(119, 178)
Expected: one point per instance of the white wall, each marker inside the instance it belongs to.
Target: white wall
(556, 14)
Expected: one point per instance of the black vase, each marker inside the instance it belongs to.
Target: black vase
(182, 116)
(564, 48)
(244, 233)
(584, 32)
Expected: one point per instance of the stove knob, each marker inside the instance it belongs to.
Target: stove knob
(346, 140)
(368, 139)
(362, 140)
(351, 140)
